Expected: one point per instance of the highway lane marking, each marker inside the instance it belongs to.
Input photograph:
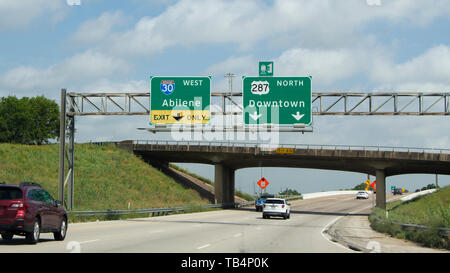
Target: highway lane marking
(156, 231)
(169, 218)
(105, 225)
(90, 241)
(338, 218)
(334, 221)
(204, 246)
(237, 235)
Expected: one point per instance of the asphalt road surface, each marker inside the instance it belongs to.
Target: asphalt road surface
(232, 231)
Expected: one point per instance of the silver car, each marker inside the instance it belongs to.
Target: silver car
(276, 207)
(362, 195)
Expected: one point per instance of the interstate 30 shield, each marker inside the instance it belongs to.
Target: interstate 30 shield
(167, 87)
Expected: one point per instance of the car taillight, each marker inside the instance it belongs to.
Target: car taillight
(282, 206)
(20, 214)
(21, 209)
(264, 205)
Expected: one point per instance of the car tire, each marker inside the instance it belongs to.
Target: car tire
(33, 236)
(60, 235)
(7, 235)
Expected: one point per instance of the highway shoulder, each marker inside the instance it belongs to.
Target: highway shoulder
(354, 231)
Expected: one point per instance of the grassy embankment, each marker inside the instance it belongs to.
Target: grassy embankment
(105, 177)
(432, 210)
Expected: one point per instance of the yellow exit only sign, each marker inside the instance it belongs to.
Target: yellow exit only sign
(284, 150)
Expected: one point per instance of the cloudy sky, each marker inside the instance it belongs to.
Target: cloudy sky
(346, 46)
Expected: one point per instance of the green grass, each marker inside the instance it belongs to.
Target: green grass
(428, 210)
(432, 210)
(105, 177)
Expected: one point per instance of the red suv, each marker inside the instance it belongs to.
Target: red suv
(27, 210)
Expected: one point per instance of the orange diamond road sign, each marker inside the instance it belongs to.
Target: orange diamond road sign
(263, 183)
(373, 185)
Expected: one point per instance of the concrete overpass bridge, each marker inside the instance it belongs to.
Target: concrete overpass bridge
(228, 157)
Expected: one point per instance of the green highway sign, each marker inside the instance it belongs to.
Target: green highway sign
(265, 69)
(180, 100)
(277, 100)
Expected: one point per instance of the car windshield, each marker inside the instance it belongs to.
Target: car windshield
(10, 193)
(274, 201)
(362, 192)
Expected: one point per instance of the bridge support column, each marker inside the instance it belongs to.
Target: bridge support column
(381, 189)
(223, 184)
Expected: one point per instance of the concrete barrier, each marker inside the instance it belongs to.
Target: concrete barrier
(417, 194)
(326, 193)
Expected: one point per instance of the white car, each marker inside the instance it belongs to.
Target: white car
(276, 207)
(362, 194)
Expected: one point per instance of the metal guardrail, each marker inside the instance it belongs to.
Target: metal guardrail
(165, 211)
(443, 232)
(153, 211)
(297, 146)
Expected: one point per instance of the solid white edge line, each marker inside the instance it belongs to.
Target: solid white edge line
(200, 247)
(334, 221)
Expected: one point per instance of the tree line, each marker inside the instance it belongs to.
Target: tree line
(32, 121)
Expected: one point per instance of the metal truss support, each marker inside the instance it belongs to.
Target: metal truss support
(381, 103)
(230, 103)
(62, 145)
(70, 160)
(67, 128)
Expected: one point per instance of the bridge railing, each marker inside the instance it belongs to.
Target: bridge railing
(268, 146)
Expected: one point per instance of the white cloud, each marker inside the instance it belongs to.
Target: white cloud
(72, 72)
(325, 66)
(20, 13)
(371, 64)
(317, 24)
(427, 72)
(98, 29)
(239, 66)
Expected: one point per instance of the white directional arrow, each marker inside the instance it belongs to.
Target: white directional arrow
(297, 116)
(255, 116)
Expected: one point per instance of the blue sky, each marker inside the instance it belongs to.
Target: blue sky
(351, 45)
